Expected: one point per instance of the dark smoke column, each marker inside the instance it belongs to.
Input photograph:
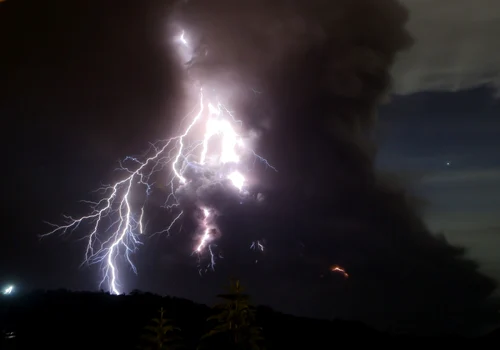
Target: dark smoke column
(308, 76)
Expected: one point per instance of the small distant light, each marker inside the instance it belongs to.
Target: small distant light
(8, 290)
(448, 163)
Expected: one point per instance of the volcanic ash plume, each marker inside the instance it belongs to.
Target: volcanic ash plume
(307, 77)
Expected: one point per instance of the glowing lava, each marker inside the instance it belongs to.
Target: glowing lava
(339, 269)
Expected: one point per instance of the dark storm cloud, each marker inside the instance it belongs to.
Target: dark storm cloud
(320, 69)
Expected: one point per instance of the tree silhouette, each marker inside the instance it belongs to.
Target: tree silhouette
(235, 321)
(160, 334)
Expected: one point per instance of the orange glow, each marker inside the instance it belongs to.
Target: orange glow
(339, 269)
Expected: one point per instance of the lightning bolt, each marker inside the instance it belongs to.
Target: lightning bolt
(117, 220)
(257, 245)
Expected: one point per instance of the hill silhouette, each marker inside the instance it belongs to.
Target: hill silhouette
(63, 319)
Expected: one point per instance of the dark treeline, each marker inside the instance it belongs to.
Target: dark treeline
(62, 319)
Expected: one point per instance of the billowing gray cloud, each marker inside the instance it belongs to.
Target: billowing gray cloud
(456, 46)
(322, 67)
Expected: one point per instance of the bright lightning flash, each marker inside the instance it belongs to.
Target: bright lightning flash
(118, 216)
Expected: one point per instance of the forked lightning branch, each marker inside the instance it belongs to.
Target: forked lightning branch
(108, 243)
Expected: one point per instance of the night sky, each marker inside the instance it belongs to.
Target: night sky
(84, 84)
(445, 145)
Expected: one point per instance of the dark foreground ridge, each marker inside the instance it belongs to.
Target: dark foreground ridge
(64, 319)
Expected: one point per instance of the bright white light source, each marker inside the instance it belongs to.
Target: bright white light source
(237, 179)
(183, 39)
(8, 290)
